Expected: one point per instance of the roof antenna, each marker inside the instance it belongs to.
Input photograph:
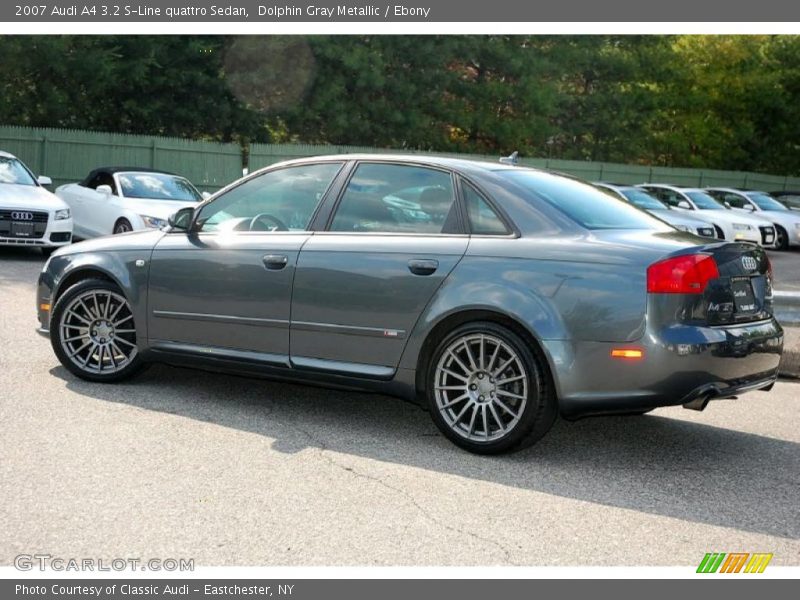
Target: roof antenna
(512, 159)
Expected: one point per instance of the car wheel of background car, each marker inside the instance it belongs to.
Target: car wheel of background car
(782, 241)
(93, 334)
(123, 226)
(487, 391)
(720, 234)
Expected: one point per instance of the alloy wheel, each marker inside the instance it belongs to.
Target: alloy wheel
(97, 332)
(480, 387)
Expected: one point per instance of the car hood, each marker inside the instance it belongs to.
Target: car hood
(784, 217)
(135, 240)
(730, 217)
(673, 217)
(28, 197)
(161, 209)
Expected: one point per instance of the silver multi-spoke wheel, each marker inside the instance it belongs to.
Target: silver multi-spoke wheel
(480, 387)
(96, 332)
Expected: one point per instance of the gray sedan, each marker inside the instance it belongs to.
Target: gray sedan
(500, 296)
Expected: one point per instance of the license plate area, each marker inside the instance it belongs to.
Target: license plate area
(744, 299)
(22, 229)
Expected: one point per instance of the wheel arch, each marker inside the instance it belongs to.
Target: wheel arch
(449, 322)
(79, 274)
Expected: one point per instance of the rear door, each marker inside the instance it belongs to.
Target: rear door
(226, 288)
(394, 236)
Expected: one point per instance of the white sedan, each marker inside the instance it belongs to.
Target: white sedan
(120, 199)
(29, 214)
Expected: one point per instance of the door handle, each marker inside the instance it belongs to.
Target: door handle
(275, 262)
(423, 266)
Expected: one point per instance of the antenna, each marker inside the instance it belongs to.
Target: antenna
(512, 159)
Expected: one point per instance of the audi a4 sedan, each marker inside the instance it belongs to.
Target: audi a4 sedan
(30, 215)
(500, 296)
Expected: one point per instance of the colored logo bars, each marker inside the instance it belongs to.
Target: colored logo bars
(734, 562)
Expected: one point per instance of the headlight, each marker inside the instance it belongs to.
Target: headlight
(153, 222)
(741, 227)
(62, 214)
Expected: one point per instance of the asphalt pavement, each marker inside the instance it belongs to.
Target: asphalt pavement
(236, 471)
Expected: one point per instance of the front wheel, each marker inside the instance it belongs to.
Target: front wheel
(123, 226)
(782, 239)
(93, 333)
(487, 390)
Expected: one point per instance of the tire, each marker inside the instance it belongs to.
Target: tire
(781, 238)
(491, 417)
(92, 332)
(122, 226)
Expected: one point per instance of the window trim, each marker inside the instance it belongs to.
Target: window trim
(336, 203)
(195, 230)
(511, 229)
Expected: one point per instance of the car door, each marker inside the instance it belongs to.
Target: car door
(224, 289)
(392, 239)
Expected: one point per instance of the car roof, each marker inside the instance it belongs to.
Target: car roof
(5, 154)
(442, 161)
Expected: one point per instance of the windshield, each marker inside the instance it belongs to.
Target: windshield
(13, 171)
(581, 202)
(642, 199)
(157, 186)
(765, 202)
(704, 202)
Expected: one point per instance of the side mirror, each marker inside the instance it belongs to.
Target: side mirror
(181, 220)
(749, 207)
(104, 189)
(727, 204)
(206, 195)
(685, 204)
(44, 180)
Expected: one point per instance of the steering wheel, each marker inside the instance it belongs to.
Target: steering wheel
(275, 223)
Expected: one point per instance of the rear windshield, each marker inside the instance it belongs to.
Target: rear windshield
(581, 202)
(765, 202)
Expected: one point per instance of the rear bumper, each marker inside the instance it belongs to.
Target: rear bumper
(680, 364)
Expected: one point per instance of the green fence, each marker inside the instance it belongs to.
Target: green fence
(68, 155)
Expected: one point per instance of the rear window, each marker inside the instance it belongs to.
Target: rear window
(581, 202)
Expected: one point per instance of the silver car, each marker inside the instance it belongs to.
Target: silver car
(499, 296)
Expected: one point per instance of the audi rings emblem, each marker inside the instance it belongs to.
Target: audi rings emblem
(19, 215)
(749, 263)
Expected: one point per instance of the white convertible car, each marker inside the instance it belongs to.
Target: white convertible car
(29, 214)
(119, 199)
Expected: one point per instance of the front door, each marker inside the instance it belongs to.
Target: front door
(225, 289)
(360, 286)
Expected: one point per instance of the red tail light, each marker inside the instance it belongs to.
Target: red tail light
(681, 275)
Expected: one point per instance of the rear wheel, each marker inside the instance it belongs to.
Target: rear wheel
(487, 391)
(123, 226)
(93, 332)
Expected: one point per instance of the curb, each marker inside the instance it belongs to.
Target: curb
(787, 312)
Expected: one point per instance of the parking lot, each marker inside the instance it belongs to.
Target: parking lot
(234, 471)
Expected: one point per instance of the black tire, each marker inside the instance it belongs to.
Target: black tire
(781, 238)
(540, 408)
(133, 366)
(122, 226)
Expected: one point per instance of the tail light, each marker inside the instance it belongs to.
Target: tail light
(687, 274)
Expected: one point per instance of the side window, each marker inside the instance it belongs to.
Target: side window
(734, 200)
(103, 179)
(670, 197)
(483, 220)
(282, 200)
(386, 198)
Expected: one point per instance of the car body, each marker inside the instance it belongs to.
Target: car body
(789, 198)
(761, 204)
(641, 199)
(731, 225)
(519, 295)
(30, 215)
(121, 199)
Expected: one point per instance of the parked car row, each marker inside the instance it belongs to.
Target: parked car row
(724, 213)
(108, 200)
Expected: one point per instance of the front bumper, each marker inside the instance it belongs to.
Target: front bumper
(56, 234)
(680, 364)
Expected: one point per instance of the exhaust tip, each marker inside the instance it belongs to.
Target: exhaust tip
(699, 403)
